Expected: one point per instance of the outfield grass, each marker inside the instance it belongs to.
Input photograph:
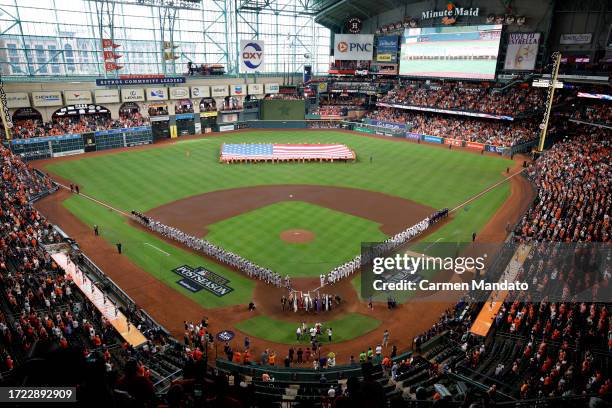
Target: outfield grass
(466, 220)
(347, 327)
(147, 178)
(149, 253)
(337, 237)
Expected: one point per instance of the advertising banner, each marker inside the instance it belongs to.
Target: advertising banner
(433, 139)
(51, 98)
(132, 95)
(386, 48)
(454, 142)
(226, 128)
(255, 89)
(576, 39)
(353, 47)
(157, 94)
(106, 96)
(238, 90)
(387, 125)
(139, 81)
(447, 111)
(17, 100)
(200, 92)
(413, 136)
(474, 145)
(362, 129)
(181, 92)
(219, 90)
(272, 88)
(251, 55)
(77, 97)
(522, 51)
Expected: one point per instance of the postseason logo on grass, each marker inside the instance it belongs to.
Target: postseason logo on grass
(196, 279)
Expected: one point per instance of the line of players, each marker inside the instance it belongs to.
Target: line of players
(250, 268)
(348, 268)
(273, 278)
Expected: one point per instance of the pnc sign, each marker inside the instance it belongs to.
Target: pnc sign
(353, 47)
(252, 55)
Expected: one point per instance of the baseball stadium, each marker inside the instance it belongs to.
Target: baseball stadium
(305, 203)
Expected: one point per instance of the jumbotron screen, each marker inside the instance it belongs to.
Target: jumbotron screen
(468, 52)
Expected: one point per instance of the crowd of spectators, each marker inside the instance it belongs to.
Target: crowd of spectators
(461, 96)
(487, 131)
(29, 128)
(547, 349)
(335, 99)
(183, 108)
(330, 110)
(574, 199)
(284, 97)
(51, 334)
(325, 124)
(597, 113)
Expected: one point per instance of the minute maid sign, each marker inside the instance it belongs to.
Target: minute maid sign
(196, 279)
(450, 14)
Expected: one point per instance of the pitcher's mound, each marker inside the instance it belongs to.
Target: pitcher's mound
(297, 236)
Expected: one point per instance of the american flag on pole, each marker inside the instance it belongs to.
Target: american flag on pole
(276, 151)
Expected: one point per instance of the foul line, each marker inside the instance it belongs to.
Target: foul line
(485, 191)
(159, 249)
(96, 201)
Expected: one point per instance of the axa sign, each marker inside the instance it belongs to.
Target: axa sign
(251, 55)
(353, 47)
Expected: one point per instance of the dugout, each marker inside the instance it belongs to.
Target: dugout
(160, 121)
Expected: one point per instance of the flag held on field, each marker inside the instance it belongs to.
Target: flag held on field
(276, 151)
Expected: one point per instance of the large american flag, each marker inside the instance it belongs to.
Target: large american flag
(268, 151)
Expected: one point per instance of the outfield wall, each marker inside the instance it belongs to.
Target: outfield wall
(279, 109)
(68, 145)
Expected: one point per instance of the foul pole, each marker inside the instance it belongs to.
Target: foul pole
(556, 61)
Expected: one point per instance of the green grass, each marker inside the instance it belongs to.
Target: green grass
(347, 327)
(147, 178)
(470, 218)
(144, 250)
(337, 237)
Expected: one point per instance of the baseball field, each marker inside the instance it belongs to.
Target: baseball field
(299, 219)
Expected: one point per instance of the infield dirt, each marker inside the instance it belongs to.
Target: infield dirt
(171, 309)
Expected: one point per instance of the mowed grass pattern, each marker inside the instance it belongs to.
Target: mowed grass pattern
(347, 327)
(256, 236)
(145, 179)
(158, 257)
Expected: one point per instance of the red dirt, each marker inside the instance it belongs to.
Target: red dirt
(170, 308)
(297, 236)
(193, 214)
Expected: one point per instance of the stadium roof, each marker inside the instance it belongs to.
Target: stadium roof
(334, 13)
